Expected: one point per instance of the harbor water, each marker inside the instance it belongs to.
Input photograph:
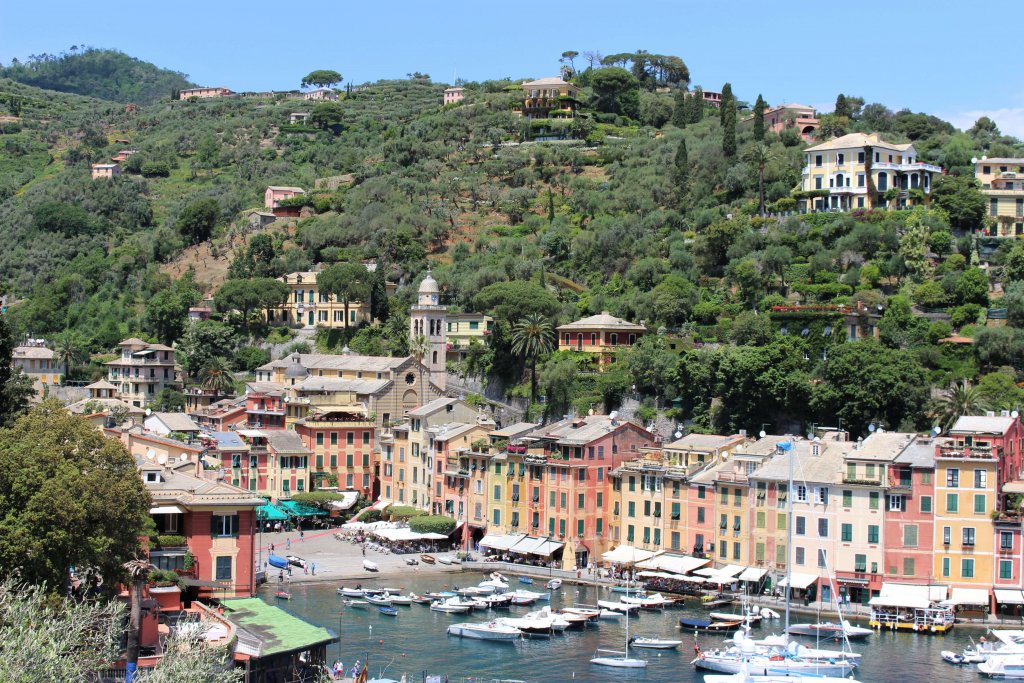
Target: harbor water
(416, 641)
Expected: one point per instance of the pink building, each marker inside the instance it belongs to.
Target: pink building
(712, 98)
(203, 93)
(783, 116)
(275, 194)
(575, 456)
(321, 95)
(909, 518)
(453, 95)
(999, 434)
(105, 170)
(700, 528)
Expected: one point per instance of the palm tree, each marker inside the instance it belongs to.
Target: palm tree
(69, 350)
(760, 155)
(532, 336)
(138, 570)
(216, 376)
(959, 400)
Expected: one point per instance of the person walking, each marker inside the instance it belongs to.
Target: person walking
(364, 551)
(271, 548)
(302, 534)
(313, 568)
(288, 543)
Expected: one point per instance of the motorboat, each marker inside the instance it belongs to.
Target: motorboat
(526, 579)
(708, 626)
(768, 613)
(610, 615)
(428, 559)
(652, 601)
(369, 566)
(553, 584)
(282, 595)
(498, 585)
(491, 630)
(524, 597)
(589, 612)
(745, 655)
(635, 587)
(351, 592)
(381, 599)
(403, 600)
(618, 659)
(654, 643)
(1003, 667)
(419, 599)
(953, 657)
(388, 611)
(497, 601)
(296, 561)
(714, 602)
(449, 606)
(752, 617)
(277, 562)
(830, 629)
(358, 604)
(618, 606)
(442, 559)
(745, 676)
(441, 595)
(575, 620)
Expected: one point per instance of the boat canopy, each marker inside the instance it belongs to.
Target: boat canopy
(670, 562)
(907, 601)
(798, 581)
(1009, 596)
(627, 554)
(968, 596)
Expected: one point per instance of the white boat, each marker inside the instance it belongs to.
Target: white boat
(765, 660)
(768, 613)
(751, 616)
(403, 600)
(830, 629)
(617, 606)
(610, 615)
(541, 622)
(490, 630)
(530, 594)
(652, 601)
(745, 676)
(351, 592)
(496, 585)
(497, 601)
(441, 559)
(953, 657)
(573, 619)
(1011, 666)
(654, 643)
(588, 612)
(449, 606)
(618, 659)
(358, 604)
(554, 584)
(369, 566)
(379, 599)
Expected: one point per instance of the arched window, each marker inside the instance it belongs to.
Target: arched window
(883, 182)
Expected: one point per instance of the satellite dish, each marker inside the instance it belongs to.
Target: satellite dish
(761, 434)
(162, 459)
(872, 427)
(725, 455)
(614, 414)
(881, 431)
(936, 431)
(1014, 414)
(150, 453)
(678, 435)
(149, 411)
(817, 439)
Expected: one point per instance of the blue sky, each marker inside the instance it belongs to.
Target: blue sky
(927, 57)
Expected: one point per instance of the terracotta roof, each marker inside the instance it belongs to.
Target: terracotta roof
(188, 490)
(603, 320)
(956, 339)
(551, 80)
(581, 430)
(32, 352)
(285, 442)
(858, 141)
(133, 341)
(102, 384)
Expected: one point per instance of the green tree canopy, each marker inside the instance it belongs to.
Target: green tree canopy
(246, 296)
(432, 524)
(321, 78)
(349, 282)
(514, 299)
(328, 116)
(616, 90)
(961, 199)
(70, 497)
(197, 221)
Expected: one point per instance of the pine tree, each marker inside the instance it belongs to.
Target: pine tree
(728, 125)
(842, 107)
(759, 119)
(695, 106)
(679, 111)
(726, 96)
(682, 167)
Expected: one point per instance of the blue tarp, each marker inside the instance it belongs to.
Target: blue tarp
(277, 562)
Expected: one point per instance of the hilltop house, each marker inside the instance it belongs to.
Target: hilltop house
(275, 194)
(856, 171)
(549, 98)
(453, 95)
(203, 93)
(783, 116)
(306, 306)
(142, 371)
(105, 171)
(599, 335)
(1002, 181)
(321, 95)
(39, 363)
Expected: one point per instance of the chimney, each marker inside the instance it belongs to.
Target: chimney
(743, 433)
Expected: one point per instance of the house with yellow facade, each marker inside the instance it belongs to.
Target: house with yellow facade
(699, 449)
(1002, 182)
(39, 363)
(141, 371)
(308, 307)
(464, 329)
(858, 171)
(549, 98)
(601, 336)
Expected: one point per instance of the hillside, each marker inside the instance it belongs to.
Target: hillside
(639, 211)
(103, 74)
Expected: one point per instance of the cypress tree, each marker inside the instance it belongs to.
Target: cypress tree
(679, 110)
(551, 206)
(695, 106)
(729, 126)
(682, 167)
(842, 107)
(726, 95)
(759, 118)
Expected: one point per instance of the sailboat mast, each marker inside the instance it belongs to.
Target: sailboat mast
(789, 533)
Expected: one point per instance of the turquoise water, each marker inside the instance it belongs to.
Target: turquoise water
(416, 641)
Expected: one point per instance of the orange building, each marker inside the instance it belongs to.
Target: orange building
(600, 335)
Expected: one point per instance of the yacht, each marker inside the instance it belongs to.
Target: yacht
(491, 630)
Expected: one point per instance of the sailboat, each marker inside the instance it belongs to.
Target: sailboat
(619, 658)
(746, 662)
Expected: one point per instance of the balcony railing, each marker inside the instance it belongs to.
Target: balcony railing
(969, 452)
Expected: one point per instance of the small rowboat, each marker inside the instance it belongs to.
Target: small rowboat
(708, 626)
(282, 595)
(953, 657)
(429, 559)
(369, 566)
(654, 643)
(610, 614)
(358, 604)
(382, 599)
(554, 584)
(444, 560)
(388, 611)
(411, 561)
(526, 579)
(419, 599)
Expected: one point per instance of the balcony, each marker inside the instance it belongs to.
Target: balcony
(905, 168)
(968, 453)
(862, 482)
(848, 190)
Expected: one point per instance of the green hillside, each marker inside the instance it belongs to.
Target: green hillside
(103, 74)
(618, 216)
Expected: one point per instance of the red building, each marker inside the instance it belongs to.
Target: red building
(341, 442)
(216, 521)
(909, 517)
(265, 409)
(1001, 435)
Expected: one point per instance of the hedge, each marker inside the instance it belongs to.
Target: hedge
(438, 524)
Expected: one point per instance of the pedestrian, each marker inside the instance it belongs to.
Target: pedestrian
(364, 551)
(288, 543)
(302, 534)
(271, 547)
(313, 568)
(305, 569)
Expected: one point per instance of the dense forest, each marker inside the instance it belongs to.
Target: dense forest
(649, 204)
(103, 74)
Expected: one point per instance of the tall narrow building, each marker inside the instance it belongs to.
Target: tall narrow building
(429, 319)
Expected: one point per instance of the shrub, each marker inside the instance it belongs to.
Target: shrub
(155, 169)
(438, 524)
(401, 512)
(248, 358)
(164, 577)
(171, 541)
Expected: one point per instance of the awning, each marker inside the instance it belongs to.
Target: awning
(799, 581)
(251, 433)
(348, 499)
(656, 575)
(913, 591)
(298, 509)
(380, 504)
(433, 536)
(706, 571)
(676, 564)
(1013, 487)
(531, 545)
(399, 534)
(968, 596)
(905, 601)
(626, 554)
(166, 510)
(204, 583)
(1009, 596)
(854, 581)
(211, 461)
(547, 548)
(270, 512)
(752, 574)
(501, 541)
(731, 570)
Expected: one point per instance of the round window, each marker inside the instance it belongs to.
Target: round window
(410, 378)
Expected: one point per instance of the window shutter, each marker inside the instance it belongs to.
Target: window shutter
(234, 526)
(213, 525)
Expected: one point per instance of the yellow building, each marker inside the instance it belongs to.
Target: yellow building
(464, 329)
(642, 507)
(549, 97)
(965, 497)
(856, 171)
(307, 306)
(696, 450)
(1002, 181)
(39, 363)
(601, 336)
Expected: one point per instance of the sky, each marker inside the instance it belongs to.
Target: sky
(934, 57)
